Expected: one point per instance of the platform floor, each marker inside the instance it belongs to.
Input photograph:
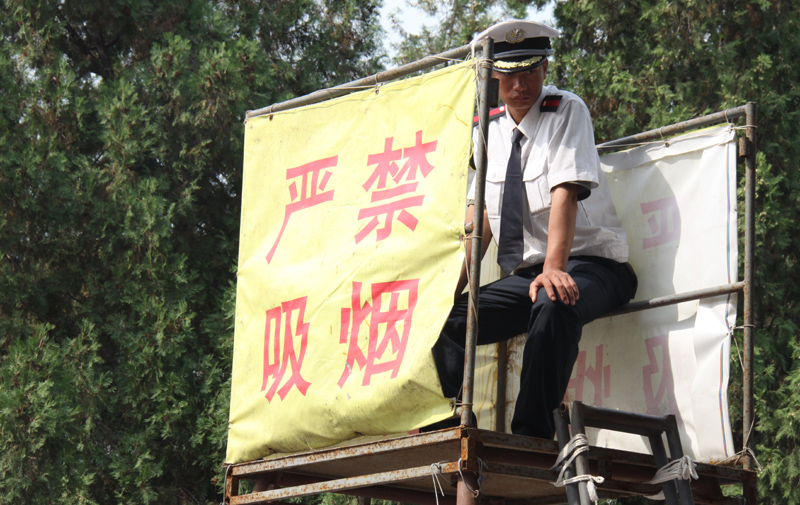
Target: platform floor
(516, 470)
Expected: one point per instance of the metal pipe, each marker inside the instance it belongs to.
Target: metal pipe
(748, 414)
(576, 420)
(385, 492)
(366, 82)
(676, 452)
(660, 458)
(666, 131)
(600, 417)
(562, 430)
(333, 486)
(500, 406)
(484, 77)
(397, 445)
(688, 296)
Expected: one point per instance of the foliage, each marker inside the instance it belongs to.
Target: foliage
(457, 22)
(120, 165)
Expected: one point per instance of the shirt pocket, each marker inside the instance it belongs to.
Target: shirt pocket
(495, 179)
(537, 188)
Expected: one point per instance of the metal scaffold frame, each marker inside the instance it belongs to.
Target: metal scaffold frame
(418, 468)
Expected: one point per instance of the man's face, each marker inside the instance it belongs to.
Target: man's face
(520, 90)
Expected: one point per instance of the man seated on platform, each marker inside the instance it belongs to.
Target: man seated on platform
(559, 238)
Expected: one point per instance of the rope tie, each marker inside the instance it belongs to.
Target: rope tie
(736, 458)
(436, 470)
(481, 478)
(751, 453)
(682, 468)
(578, 445)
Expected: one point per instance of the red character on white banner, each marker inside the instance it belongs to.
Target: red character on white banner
(599, 376)
(664, 221)
(657, 389)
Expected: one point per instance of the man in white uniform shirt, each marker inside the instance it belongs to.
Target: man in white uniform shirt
(559, 238)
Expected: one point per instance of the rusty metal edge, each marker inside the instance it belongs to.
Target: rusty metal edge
(336, 485)
(748, 405)
(381, 492)
(673, 129)
(662, 301)
(508, 440)
(353, 451)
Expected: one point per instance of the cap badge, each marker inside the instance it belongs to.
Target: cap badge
(515, 36)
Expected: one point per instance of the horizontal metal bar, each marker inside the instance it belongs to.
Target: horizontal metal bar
(700, 122)
(341, 453)
(599, 417)
(516, 457)
(385, 492)
(357, 85)
(518, 442)
(524, 472)
(333, 486)
(736, 287)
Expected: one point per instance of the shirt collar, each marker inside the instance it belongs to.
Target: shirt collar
(530, 122)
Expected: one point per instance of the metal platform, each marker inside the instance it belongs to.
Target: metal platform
(516, 471)
(472, 465)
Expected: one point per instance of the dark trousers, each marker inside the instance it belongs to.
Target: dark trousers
(553, 328)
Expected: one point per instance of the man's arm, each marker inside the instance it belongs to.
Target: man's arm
(560, 234)
(485, 240)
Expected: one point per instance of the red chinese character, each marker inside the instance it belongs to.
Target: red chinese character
(416, 158)
(386, 318)
(307, 196)
(654, 396)
(284, 355)
(599, 376)
(664, 221)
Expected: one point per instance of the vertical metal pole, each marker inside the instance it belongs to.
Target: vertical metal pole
(581, 465)
(463, 494)
(660, 459)
(561, 416)
(231, 486)
(676, 452)
(502, 371)
(468, 487)
(748, 416)
(484, 76)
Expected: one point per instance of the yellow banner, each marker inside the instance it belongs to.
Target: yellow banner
(349, 254)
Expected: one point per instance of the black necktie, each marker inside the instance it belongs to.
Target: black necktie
(509, 253)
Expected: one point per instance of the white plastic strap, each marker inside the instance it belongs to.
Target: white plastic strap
(578, 445)
(683, 468)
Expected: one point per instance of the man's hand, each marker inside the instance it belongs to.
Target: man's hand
(557, 284)
(561, 231)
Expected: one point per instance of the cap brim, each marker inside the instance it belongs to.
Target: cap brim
(512, 67)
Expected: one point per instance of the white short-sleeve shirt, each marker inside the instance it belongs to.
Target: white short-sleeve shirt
(558, 148)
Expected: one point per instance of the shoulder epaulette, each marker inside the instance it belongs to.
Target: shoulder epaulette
(550, 103)
(493, 114)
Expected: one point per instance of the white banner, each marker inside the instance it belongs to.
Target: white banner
(677, 202)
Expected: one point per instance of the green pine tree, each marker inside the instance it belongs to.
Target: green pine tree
(120, 169)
